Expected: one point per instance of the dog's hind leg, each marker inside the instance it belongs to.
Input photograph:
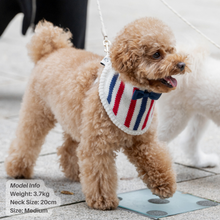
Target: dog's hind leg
(190, 143)
(34, 123)
(68, 158)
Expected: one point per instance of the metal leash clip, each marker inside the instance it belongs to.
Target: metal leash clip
(106, 44)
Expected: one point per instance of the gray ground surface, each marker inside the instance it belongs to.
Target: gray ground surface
(15, 68)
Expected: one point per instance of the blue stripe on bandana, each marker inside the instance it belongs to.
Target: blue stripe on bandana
(112, 85)
(141, 112)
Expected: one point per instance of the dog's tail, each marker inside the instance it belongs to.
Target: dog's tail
(47, 38)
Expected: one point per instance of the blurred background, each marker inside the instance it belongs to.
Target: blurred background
(15, 65)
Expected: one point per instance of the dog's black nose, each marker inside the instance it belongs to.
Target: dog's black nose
(181, 66)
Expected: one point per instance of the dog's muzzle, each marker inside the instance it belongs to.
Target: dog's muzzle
(181, 66)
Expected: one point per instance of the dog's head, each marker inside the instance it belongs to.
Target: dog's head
(144, 54)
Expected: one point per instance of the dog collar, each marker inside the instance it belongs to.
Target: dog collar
(129, 108)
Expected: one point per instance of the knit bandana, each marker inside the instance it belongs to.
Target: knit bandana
(130, 108)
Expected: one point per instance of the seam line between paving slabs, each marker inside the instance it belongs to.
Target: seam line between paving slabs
(23, 214)
(42, 155)
(138, 213)
(203, 177)
(197, 178)
(197, 168)
(211, 172)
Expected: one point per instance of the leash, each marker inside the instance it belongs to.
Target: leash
(106, 41)
(188, 23)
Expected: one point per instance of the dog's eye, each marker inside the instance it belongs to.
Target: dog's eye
(156, 55)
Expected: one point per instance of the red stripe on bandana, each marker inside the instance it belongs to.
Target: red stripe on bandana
(146, 119)
(130, 111)
(118, 97)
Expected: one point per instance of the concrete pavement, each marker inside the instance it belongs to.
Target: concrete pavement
(15, 68)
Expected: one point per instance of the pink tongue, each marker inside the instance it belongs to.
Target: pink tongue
(171, 80)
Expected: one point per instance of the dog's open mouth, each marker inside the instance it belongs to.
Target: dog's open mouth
(169, 81)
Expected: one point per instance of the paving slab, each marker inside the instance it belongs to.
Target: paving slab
(212, 213)
(207, 188)
(7, 133)
(3, 181)
(8, 128)
(10, 98)
(47, 169)
(186, 173)
(81, 211)
(127, 173)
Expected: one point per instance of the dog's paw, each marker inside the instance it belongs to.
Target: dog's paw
(164, 191)
(18, 167)
(205, 160)
(102, 203)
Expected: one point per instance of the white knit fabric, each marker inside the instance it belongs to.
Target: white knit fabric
(131, 116)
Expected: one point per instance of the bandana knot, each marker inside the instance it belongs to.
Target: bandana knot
(138, 94)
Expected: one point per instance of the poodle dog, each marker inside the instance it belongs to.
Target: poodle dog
(67, 86)
(191, 105)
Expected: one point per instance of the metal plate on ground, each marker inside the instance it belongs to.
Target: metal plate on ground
(144, 202)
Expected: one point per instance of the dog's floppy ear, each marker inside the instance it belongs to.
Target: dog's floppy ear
(125, 55)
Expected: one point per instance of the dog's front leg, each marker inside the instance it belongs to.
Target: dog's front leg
(98, 175)
(154, 167)
(96, 157)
